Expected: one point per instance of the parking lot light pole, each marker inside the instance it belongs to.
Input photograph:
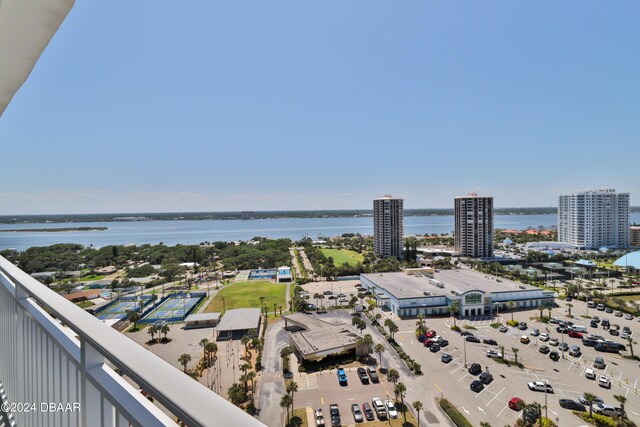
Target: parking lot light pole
(464, 344)
(546, 413)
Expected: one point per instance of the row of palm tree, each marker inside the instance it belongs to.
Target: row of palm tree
(153, 330)
(287, 400)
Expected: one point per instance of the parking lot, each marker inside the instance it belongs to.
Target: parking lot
(319, 390)
(566, 376)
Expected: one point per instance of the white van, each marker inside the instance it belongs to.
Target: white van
(578, 328)
(591, 304)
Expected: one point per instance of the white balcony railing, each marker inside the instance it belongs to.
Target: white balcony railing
(43, 362)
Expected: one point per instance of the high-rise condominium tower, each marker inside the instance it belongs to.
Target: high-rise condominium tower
(474, 226)
(593, 219)
(387, 226)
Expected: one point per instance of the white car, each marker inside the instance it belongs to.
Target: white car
(584, 401)
(540, 386)
(391, 409)
(544, 336)
(590, 374)
(319, 417)
(493, 354)
(604, 382)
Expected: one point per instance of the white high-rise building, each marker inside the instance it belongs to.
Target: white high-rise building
(593, 219)
(387, 226)
(473, 234)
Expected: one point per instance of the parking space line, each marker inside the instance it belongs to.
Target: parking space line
(483, 390)
(464, 376)
(494, 397)
(500, 413)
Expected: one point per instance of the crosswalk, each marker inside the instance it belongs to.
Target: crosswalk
(476, 322)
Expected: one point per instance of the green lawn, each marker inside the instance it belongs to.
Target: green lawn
(247, 295)
(94, 277)
(340, 256)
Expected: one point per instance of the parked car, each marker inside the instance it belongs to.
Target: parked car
(486, 377)
(554, 356)
(475, 369)
(378, 406)
(493, 354)
(443, 343)
(608, 310)
(446, 358)
(605, 323)
(598, 363)
(572, 404)
(554, 342)
(618, 313)
(335, 415)
(561, 330)
(319, 417)
(431, 333)
(544, 349)
(391, 410)
(342, 376)
(608, 410)
(476, 386)
(434, 348)
(535, 332)
(539, 386)
(503, 328)
(530, 414)
(362, 374)
(544, 336)
(522, 326)
(367, 411)
(524, 339)
(582, 400)
(489, 341)
(590, 374)
(371, 370)
(472, 338)
(574, 334)
(593, 324)
(357, 413)
(600, 307)
(604, 382)
(516, 403)
(563, 346)
(575, 351)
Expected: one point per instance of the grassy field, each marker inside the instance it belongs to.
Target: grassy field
(94, 277)
(247, 295)
(340, 256)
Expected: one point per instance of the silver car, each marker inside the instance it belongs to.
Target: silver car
(357, 413)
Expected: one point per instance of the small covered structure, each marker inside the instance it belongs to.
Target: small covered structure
(238, 322)
(284, 274)
(201, 320)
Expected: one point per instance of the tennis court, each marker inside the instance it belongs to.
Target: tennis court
(119, 308)
(174, 308)
(262, 274)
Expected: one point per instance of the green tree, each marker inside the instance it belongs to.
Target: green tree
(417, 405)
(292, 388)
(621, 400)
(134, 317)
(284, 354)
(454, 308)
(245, 340)
(589, 398)
(184, 359)
(165, 330)
(569, 306)
(236, 394)
(379, 348)
(393, 328)
(400, 390)
(152, 331)
(515, 353)
(393, 376)
(286, 402)
(511, 305)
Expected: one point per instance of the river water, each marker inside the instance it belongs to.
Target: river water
(191, 232)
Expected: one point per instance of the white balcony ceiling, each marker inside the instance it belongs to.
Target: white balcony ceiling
(26, 27)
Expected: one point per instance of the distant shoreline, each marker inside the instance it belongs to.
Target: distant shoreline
(246, 215)
(53, 230)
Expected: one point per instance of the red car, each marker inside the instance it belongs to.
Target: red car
(428, 342)
(431, 333)
(574, 334)
(516, 403)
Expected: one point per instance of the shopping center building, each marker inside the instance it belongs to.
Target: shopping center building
(429, 294)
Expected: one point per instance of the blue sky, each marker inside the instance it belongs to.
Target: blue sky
(255, 105)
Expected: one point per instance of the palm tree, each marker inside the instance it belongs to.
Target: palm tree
(390, 324)
(631, 343)
(621, 400)
(454, 307)
(284, 354)
(245, 367)
(368, 341)
(286, 402)
(379, 348)
(378, 316)
(211, 349)
(251, 377)
(589, 398)
(183, 360)
(133, 316)
(502, 352)
(245, 340)
(511, 305)
(244, 380)
(420, 324)
(569, 309)
(400, 390)
(165, 330)
(262, 304)
(515, 353)
(417, 405)
(393, 376)
(152, 331)
(292, 388)
(236, 394)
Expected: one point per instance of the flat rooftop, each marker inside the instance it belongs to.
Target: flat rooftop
(239, 319)
(321, 335)
(403, 286)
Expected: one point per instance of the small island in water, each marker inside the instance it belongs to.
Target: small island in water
(54, 230)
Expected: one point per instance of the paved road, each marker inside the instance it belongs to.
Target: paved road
(307, 264)
(271, 384)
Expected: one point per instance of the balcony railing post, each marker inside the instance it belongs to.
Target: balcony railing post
(90, 398)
